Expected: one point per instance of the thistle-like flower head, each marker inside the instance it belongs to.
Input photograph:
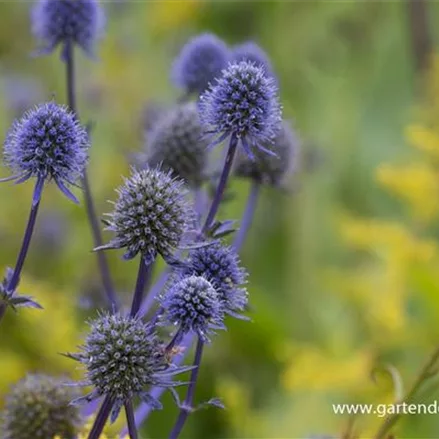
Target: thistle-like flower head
(220, 264)
(251, 52)
(48, 143)
(267, 169)
(176, 143)
(199, 63)
(123, 358)
(58, 21)
(193, 304)
(243, 103)
(150, 216)
(38, 407)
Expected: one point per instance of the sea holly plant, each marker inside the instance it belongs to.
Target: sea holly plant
(131, 354)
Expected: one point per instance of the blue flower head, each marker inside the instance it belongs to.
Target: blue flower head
(193, 304)
(220, 264)
(200, 61)
(243, 103)
(176, 143)
(268, 169)
(123, 358)
(48, 143)
(251, 52)
(59, 21)
(38, 407)
(150, 216)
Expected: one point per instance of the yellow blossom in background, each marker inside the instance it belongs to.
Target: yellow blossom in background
(167, 15)
(424, 139)
(417, 184)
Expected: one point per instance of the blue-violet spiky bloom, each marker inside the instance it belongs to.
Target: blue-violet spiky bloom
(200, 61)
(123, 358)
(59, 21)
(38, 407)
(243, 103)
(251, 52)
(48, 142)
(177, 144)
(193, 304)
(150, 216)
(267, 169)
(221, 265)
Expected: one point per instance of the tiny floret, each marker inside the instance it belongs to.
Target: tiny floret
(48, 143)
(193, 304)
(268, 169)
(59, 21)
(150, 216)
(123, 358)
(220, 264)
(200, 61)
(251, 52)
(242, 103)
(38, 407)
(176, 143)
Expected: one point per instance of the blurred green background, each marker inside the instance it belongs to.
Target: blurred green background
(343, 271)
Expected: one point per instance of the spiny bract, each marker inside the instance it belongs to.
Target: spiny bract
(176, 144)
(38, 407)
(58, 21)
(150, 216)
(193, 304)
(123, 357)
(48, 142)
(243, 103)
(268, 169)
(220, 264)
(199, 63)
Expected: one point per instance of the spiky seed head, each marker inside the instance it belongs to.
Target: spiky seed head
(268, 169)
(150, 216)
(243, 102)
(121, 357)
(58, 21)
(38, 407)
(199, 63)
(48, 142)
(221, 265)
(193, 304)
(252, 52)
(176, 142)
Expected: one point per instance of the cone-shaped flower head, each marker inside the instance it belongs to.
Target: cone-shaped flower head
(123, 358)
(251, 52)
(220, 264)
(150, 216)
(199, 63)
(58, 21)
(176, 143)
(193, 304)
(268, 169)
(38, 407)
(48, 143)
(243, 103)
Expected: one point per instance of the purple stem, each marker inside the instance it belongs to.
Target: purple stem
(142, 279)
(89, 204)
(13, 283)
(222, 183)
(101, 418)
(186, 407)
(156, 288)
(129, 411)
(247, 218)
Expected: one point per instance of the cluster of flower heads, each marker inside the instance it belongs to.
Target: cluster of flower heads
(47, 143)
(38, 407)
(57, 22)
